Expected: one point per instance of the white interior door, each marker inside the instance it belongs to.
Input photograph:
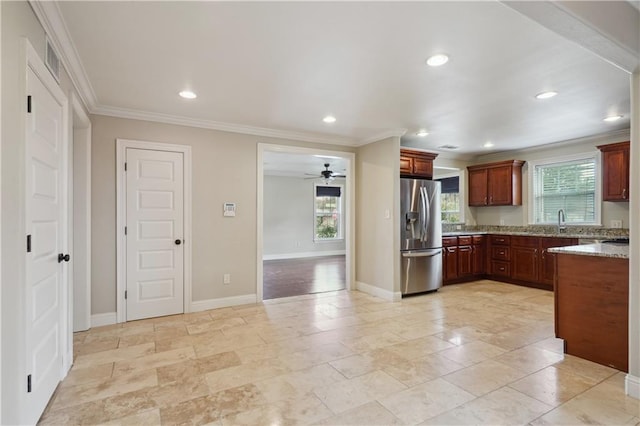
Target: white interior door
(155, 233)
(46, 230)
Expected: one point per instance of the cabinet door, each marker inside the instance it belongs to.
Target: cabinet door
(478, 261)
(615, 176)
(423, 168)
(406, 165)
(478, 187)
(524, 263)
(465, 261)
(547, 271)
(451, 263)
(499, 186)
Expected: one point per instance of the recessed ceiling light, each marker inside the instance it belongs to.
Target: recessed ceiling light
(546, 95)
(329, 119)
(437, 60)
(488, 144)
(613, 118)
(422, 133)
(188, 94)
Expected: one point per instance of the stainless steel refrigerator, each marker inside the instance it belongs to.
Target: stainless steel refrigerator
(420, 236)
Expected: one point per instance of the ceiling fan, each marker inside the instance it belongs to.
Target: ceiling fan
(326, 174)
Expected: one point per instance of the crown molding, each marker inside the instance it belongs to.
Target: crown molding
(225, 127)
(383, 135)
(50, 17)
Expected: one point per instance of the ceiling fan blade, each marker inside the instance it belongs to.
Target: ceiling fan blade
(311, 174)
(338, 175)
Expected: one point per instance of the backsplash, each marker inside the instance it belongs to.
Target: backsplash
(587, 231)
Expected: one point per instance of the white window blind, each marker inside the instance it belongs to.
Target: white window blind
(567, 185)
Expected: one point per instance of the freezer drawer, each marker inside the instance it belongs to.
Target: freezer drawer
(421, 271)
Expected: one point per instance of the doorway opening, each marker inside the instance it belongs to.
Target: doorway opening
(305, 214)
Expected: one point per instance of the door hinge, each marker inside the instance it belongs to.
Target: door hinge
(125, 294)
(29, 383)
(125, 230)
(125, 167)
(29, 103)
(28, 243)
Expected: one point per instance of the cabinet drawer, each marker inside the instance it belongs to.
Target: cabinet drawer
(500, 268)
(449, 241)
(500, 240)
(500, 253)
(525, 241)
(464, 241)
(478, 239)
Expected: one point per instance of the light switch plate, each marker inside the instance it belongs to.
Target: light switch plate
(229, 209)
(616, 223)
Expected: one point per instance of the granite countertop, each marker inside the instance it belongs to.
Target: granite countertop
(529, 234)
(599, 249)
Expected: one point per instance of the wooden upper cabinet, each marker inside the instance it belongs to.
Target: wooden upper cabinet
(496, 184)
(416, 164)
(478, 187)
(615, 171)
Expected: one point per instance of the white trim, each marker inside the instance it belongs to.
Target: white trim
(531, 165)
(98, 320)
(81, 142)
(302, 255)
(392, 296)
(222, 126)
(350, 203)
(223, 302)
(121, 147)
(632, 386)
(50, 17)
(382, 135)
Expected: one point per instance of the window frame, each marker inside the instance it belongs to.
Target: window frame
(340, 236)
(461, 192)
(590, 155)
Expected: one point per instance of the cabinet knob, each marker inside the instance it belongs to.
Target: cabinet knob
(624, 193)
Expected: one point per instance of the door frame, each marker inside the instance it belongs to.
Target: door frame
(34, 63)
(80, 208)
(121, 214)
(350, 204)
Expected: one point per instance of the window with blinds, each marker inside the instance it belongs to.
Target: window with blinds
(328, 213)
(566, 185)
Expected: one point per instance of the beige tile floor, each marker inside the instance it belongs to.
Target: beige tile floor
(477, 353)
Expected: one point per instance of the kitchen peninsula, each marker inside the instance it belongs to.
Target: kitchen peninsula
(592, 302)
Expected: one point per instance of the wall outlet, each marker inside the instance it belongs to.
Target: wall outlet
(501, 222)
(616, 223)
(387, 214)
(458, 227)
(226, 279)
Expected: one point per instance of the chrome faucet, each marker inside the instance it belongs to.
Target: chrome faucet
(561, 221)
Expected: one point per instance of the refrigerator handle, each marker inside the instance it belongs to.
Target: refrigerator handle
(429, 253)
(427, 215)
(423, 218)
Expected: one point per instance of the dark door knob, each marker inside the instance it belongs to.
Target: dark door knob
(178, 242)
(63, 257)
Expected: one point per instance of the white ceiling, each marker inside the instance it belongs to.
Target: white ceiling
(285, 65)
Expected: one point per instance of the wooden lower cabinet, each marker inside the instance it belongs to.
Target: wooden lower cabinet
(591, 308)
(517, 259)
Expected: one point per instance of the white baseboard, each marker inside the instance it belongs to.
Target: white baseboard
(632, 386)
(378, 292)
(98, 320)
(223, 302)
(303, 254)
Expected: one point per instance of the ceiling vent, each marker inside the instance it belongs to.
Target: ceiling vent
(450, 147)
(52, 61)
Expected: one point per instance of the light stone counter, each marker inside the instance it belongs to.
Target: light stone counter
(598, 249)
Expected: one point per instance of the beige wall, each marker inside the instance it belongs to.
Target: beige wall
(288, 225)
(518, 215)
(377, 237)
(224, 170)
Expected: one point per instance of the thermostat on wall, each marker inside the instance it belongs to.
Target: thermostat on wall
(229, 209)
